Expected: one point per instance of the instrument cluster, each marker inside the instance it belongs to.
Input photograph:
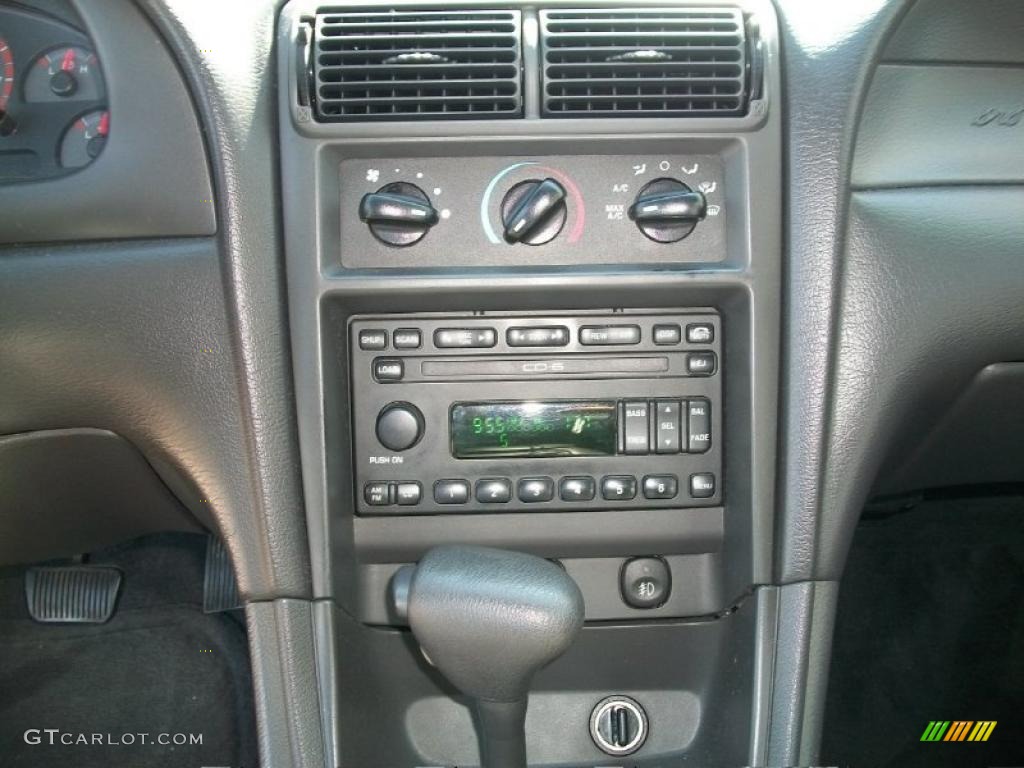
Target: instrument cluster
(53, 101)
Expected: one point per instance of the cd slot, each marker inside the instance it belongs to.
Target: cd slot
(432, 369)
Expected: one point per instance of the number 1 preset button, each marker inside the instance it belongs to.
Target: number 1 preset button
(451, 491)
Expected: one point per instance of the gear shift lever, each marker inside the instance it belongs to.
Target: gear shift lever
(488, 619)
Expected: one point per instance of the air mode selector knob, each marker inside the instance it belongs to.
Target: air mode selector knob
(533, 211)
(399, 426)
(398, 214)
(666, 210)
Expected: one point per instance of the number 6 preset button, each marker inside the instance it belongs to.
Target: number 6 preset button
(661, 486)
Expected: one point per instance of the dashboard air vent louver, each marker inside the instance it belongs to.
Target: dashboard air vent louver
(645, 62)
(417, 65)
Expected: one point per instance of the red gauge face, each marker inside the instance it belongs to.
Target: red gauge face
(64, 74)
(84, 139)
(6, 72)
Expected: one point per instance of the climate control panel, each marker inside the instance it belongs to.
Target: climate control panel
(510, 412)
(592, 209)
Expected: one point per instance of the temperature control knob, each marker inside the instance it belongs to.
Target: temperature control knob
(399, 426)
(398, 214)
(666, 210)
(533, 211)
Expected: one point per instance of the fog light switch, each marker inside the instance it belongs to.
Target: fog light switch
(646, 582)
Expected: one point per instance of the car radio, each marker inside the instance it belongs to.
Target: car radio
(493, 413)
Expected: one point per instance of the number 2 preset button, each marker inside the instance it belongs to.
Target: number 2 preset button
(493, 490)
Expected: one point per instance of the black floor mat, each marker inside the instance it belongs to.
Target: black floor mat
(160, 671)
(930, 627)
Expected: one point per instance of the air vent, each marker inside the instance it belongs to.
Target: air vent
(417, 65)
(649, 62)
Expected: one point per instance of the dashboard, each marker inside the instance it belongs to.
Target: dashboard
(660, 292)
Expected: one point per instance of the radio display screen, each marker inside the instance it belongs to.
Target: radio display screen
(529, 429)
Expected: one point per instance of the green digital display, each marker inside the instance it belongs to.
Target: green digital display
(533, 429)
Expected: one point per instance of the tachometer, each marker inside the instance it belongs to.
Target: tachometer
(84, 139)
(65, 73)
(6, 73)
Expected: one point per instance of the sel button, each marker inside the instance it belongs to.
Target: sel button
(666, 426)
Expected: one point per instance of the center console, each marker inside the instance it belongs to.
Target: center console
(522, 324)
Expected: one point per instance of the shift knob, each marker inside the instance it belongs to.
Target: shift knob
(489, 619)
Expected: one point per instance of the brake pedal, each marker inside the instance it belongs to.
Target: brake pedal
(220, 590)
(74, 594)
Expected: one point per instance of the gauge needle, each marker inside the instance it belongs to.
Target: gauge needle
(104, 127)
(68, 63)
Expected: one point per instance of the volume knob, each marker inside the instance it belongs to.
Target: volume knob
(399, 426)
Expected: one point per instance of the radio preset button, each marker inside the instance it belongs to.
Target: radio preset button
(618, 487)
(576, 488)
(531, 489)
(451, 491)
(666, 426)
(700, 363)
(702, 485)
(373, 339)
(407, 338)
(539, 336)
(636, 428)
(377, 494)
(700, 333)
(448, 338)
(386, 370)
(592, 335)
(667, 334)
(495, 490)
(661, 487)
(699, 432)
(408, 494)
